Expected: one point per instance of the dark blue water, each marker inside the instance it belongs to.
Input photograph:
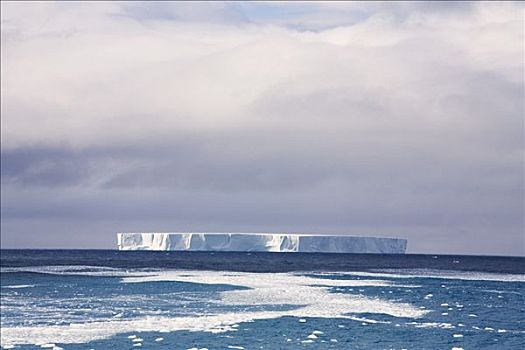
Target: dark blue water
(92, 299)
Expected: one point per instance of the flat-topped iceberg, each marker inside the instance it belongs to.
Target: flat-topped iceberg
(260, 242)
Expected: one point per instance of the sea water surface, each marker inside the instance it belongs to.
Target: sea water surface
(105, 299)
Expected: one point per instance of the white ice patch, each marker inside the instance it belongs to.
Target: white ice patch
(442, 325)
(440, 274)
(308, 296)
(366, 320)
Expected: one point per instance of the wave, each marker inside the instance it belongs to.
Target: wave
(17, 286)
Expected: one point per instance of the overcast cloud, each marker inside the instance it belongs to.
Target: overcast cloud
(386, 119)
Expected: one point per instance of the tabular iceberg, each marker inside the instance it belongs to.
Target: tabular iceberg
(260, 242)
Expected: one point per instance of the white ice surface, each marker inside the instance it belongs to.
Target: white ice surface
(260, 242)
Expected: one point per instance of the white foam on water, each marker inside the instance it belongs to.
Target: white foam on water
(500, 291)
(17, 286)
(309, 296)
(235, 347)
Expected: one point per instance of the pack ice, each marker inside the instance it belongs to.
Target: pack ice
(260, 242)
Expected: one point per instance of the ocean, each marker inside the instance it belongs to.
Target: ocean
(107, 299)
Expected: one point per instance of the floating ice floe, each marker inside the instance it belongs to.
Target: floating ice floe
(309, 296)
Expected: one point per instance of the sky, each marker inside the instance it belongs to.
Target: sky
(383, 119)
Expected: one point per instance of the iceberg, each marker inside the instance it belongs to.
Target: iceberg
(261, 242)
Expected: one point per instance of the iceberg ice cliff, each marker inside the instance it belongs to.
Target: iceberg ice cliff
(260, 242)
